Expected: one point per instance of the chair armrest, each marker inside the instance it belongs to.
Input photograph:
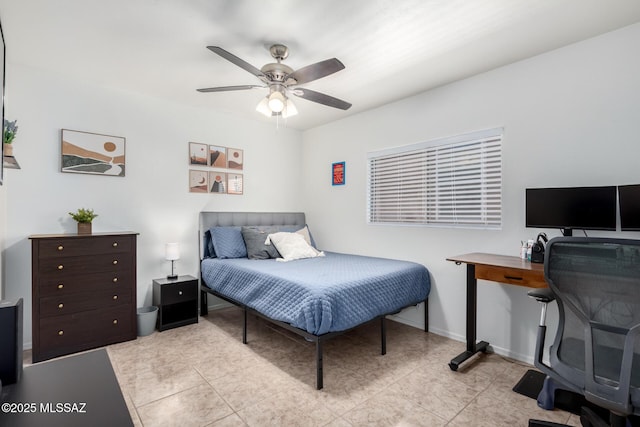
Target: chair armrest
(543, 295)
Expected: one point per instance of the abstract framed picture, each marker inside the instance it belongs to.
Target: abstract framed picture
(235, 158)
(217, 156)
(337, 172)
(217, 182)
(198, 181)
(198, 154)
(235, 183)
(92, 153)
(3, 52)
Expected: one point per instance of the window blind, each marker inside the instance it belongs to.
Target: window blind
(454, 181)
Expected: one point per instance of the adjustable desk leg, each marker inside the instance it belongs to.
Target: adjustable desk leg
(472, 304)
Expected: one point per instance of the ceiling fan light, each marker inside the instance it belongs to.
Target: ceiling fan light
(263, 107)
(276, 102)
(289, 109)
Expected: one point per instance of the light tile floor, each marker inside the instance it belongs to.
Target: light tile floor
(202, 375)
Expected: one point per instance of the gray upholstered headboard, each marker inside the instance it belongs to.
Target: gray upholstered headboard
(213, 219)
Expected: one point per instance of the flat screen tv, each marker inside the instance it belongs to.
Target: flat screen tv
(569, 208)
(629, 196)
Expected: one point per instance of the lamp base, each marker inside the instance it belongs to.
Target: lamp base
(172, 276)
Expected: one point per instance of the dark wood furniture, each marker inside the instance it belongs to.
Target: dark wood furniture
(177, 301)
(496, 268)
(80, 390)
(84, 292)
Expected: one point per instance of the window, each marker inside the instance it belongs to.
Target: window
(454, 181)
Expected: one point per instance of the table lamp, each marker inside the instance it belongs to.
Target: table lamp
(172, 253)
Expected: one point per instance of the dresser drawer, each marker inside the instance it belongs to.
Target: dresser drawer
(179, 292)
(94, 245)
(65, 284)
(75, 332)
(83, 301)
(71, 266)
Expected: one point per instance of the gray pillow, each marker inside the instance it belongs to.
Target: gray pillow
(254, 238)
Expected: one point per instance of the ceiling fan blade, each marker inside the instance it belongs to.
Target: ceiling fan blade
(317, 71)
(237, 61)
(321, 98)
(228, 88)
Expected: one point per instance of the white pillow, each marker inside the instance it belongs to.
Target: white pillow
(292, 246)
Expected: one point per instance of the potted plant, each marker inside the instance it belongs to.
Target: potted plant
(83, 217)
(8, 135)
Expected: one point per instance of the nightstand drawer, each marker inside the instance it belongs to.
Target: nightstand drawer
(179, 292)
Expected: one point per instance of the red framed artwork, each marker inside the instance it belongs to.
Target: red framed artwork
(337, 173)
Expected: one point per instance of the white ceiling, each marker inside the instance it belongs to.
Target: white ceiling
(391, 48)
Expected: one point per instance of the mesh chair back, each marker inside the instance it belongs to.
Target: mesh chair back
(597, 347)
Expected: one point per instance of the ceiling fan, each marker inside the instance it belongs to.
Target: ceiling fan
(282, 81)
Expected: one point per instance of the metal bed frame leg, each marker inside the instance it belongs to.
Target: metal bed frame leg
(244, 325)
(426, 315)
(204, 308)
(383, 335)
(319, 374)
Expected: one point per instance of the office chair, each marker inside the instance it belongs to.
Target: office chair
(596, 351)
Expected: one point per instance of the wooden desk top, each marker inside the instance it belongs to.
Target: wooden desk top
(497, 261)
(504, 269)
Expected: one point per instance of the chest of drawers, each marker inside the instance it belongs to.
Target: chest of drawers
(83, 292)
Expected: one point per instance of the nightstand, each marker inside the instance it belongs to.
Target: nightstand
(177, 301)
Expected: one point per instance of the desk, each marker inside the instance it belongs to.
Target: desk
(80, 390)
(496, 268)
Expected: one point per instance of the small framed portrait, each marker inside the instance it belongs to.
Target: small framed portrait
(217, 182)
(198, 181)
(234, 183)
(197, 154)
(235, 159)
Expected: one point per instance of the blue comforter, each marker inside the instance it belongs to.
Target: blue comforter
(320, 295)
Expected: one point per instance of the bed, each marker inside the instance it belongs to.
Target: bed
(317, 298)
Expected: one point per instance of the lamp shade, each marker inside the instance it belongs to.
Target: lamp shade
(172, 252)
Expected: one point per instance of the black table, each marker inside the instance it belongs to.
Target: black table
(79, 390)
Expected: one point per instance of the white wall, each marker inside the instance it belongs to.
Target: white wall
(571, 117)
(153, 197)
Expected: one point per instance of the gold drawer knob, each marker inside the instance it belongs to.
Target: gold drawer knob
(115, 297)
(60, 247)
(61, 332)
(60, 286)
(61, 305)
(115, 244)
(115, 261)
(115, 321)
(115, 279)
(60, 267)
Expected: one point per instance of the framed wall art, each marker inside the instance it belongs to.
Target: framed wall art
(217, 156)
(198, 181)
(3, 52)
(217, 182)
(337, 172)
(235, 184)
(234, 158)
(198, 154)
(92, 153)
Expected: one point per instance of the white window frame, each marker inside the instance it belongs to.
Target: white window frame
(447, 182)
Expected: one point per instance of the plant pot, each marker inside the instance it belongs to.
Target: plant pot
(7, 150)
(84, 228)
